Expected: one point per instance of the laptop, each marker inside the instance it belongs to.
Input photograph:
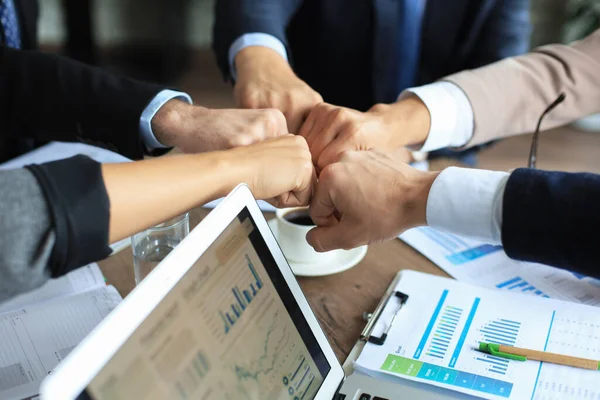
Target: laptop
(222, 317)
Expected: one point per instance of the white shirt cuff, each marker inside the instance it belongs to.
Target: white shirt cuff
(254, 39)
(468, 202)
(451, 115)
(150, 111)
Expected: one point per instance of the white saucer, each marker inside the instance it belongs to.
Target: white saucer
(342, 260)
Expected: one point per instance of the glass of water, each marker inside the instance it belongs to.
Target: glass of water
(151, 246)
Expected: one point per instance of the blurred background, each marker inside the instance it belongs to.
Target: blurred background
(168, 41)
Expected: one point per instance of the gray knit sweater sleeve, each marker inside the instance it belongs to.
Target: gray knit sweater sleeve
(26, 235)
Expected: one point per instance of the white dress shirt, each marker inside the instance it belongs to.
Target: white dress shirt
(462, 201)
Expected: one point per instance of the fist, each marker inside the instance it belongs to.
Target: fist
(265, 80)
(330, 130)
(367, 197)
(278, 170)
(197, 129)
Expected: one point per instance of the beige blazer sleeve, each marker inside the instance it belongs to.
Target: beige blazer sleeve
(509, 96)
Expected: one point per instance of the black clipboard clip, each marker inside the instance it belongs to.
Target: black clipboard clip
(372, 318)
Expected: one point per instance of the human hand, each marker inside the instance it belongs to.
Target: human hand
(367, 197)
(266, 80)
(331, 130)
(278, 170)
(195, 129)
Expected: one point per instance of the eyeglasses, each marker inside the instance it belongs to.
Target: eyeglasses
(536, 134)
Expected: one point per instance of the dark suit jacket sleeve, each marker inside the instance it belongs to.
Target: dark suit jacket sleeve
(234, 18)
(553, 218)
(48, 97)
(504, 33)
(54, 217)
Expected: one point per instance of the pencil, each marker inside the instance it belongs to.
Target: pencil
(521, 354)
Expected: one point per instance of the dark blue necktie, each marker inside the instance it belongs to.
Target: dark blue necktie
(10, 24)
(411, 17)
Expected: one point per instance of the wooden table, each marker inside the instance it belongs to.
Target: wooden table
(338, 300)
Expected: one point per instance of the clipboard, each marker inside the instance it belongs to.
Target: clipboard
(372, 318)
(422, 391)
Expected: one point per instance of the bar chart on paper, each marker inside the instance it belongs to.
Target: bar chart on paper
(487, 265)
(519, 284)
(458, 250)
(444, 354)
(441, 347)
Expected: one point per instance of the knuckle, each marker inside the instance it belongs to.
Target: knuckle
(338, 114)
(348, 155)
(321, 107)
(316, 97)
(379, 108)
(240, 140)
(329, 174)
(273, 99)
(273, 120)
(299, 141)
(247, 98)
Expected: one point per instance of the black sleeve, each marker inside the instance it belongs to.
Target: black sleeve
(79, 208)
(234, 18)
(553, 218)
(48, 97)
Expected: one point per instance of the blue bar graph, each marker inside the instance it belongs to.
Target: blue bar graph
(241, 298)
(259, 283)
(444, 332)
(501, 331)
(472, 254)
(235, 310)
(496, 365)
(238, 297)
(430, 325)
(518, 284)
(463, 335)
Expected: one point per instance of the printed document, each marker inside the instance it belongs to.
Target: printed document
(434, 337)
(486, 265)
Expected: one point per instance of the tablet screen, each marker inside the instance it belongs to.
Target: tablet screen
(229, 329)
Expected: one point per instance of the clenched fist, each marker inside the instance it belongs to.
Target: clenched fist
(196, 129)
(265, 80)
(367, 197)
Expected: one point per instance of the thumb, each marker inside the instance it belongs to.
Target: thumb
(326, 238)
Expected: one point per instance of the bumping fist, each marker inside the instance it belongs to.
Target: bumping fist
(265, 80)
(196, 129)
(278, 170)
(331, 130)
(367, 197)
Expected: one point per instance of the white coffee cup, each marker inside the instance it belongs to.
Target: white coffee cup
(292, 236)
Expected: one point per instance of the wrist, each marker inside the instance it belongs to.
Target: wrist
(414, 196)
(254, 59)
(170, 122)
(230, 169)
(407, 121)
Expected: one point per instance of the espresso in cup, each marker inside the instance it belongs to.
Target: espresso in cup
(299, 217)
(293, 224)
